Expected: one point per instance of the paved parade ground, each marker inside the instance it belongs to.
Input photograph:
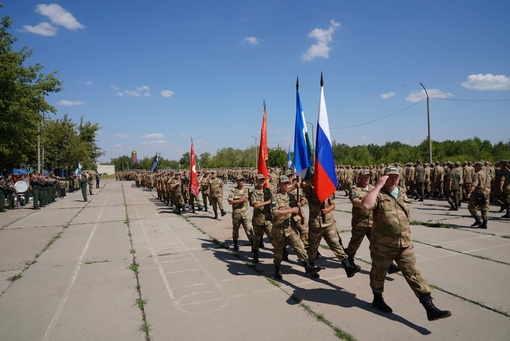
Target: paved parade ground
(124, 266)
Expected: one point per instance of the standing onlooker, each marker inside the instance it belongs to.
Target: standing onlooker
(98, 177)
(391, 240)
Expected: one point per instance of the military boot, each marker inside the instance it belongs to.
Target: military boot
(433, 313)
(379, 303)
(350, 269)
(236, 245)
(351, 260)
(477, 222)
(483, 225)
(310, 270)
(507, 215)
(277, 272)
(255, 256)
(205, 208)
(215, 215)
(223, 213)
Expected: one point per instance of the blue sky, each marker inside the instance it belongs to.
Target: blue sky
(154, 74)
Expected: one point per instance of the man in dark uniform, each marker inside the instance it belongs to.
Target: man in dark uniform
(83, 185)
(36, 185)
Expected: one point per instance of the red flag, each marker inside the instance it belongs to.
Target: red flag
(194, 187)
(263, 155)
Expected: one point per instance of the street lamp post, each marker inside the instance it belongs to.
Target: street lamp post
(428, 122)
(256, 150)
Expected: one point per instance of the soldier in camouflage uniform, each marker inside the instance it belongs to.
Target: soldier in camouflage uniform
(479, 196)
(283, 232)
(216, 194)
(504, 186)
(204, 187)
(391, 240)
(452, 188)
(362, 220)
(260, 200)
(238, 198)
(322, 224)
(176, 190)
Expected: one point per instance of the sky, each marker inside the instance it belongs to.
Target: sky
(156, 74)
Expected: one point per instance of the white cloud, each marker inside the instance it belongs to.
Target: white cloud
(420, 95)
(118, 148)
(143, 88)
(167, 93)
(155, 142)
(59, 16)
(89, 83)
(140, 91)
(324, 38)
(66, 103)
(42, 29)
(487, 82)
(250, 41)
(154, 136)
(387, 95)
(123, 136)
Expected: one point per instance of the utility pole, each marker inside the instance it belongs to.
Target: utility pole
(428, 122)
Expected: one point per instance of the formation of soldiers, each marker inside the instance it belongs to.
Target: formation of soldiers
(41, 190)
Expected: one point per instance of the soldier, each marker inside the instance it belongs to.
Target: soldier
(504, 186)
(90, 180)
(361, 221)
(204, 187)
(299, 219)
(3, 191)
(391, 240)
(36, 185)
(216, 194)
(322, 224)
(177, 192)
(479, 195)
(452, 188)
(238, 198)
(283, 232)
(348, 178)
(83, 185)
(260, 200)
(419, 181)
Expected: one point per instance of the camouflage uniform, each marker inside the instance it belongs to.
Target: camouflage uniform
(240, 213)
(480, 193)
(204, 187)
(261, 218)
(361, 221)
(322, 226)
(216, 195)
(391, 240)
(283, 232)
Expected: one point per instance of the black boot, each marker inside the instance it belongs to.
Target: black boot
(483, 225)
(379, 303)
(178, 210)
(433, 313)
(236, 245)
(255, 256)
(285, 256)
(507, 215)
(312, 264)
(351, 260)
(502, 208)
(393, 268)
(193, 208)
(215, 215)
(223, 213)
(205, 208)
(310, 270)
(277, 272)
(350, 269)
(477, 222)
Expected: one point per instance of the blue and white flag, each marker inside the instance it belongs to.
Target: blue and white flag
(303, 150)
(155, 163)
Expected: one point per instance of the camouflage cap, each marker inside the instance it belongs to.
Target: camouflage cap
(391, 170)
(287, 172)
(284, 179)
(364, 171)
(240, 177)
(261, 177)
(480, 163)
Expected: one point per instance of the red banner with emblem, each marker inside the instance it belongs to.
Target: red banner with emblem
(194, 186)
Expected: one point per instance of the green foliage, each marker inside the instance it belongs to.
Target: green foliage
(277, 157)
(22, 104)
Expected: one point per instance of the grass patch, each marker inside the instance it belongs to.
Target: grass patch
(14, 278)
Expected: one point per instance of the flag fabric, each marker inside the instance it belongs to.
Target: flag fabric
(155, 163)
(263, 154)
(303, 150)
(78, 170)
(324, 180)
(289, 159)
(194, 187)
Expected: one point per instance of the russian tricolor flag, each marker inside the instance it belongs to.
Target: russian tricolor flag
(324, 179)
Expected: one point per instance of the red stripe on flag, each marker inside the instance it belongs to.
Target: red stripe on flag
(323, 184)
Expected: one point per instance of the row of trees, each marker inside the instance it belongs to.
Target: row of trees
(25, 121)
(471, 149)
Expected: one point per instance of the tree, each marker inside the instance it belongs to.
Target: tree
(277, 157)
(87, 132)
(22, 104)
